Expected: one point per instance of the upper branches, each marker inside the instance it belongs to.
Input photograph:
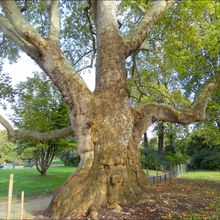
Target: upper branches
(40, 136)
(45, 52)
(54, 21)
(135, 39)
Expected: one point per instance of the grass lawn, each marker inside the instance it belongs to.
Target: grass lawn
(202, 175)
(29, 181)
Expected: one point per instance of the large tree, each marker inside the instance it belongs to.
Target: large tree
(107, 125)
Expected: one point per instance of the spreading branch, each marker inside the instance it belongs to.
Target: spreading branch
(23, 28)
(40, 136)
(135, 39)
(13, 35)
(45, 52)
(150, 113)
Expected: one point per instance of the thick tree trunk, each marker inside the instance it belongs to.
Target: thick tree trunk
(110, 172)
(114, 174)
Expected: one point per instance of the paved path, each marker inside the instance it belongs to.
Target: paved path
(30, 206)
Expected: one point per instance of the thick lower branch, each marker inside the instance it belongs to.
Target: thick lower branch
(40, 136)
(45, 136)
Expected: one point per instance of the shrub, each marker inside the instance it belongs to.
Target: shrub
(70, 158)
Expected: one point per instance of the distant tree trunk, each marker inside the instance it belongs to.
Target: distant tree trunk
(171, 145)
(160, 139)
(171, 139)
(43, 159)
(146, 143)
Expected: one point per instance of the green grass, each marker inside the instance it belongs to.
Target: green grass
(29, 181)
(202, 175)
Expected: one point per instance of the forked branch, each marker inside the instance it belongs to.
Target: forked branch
(45, 52)
(40, 136)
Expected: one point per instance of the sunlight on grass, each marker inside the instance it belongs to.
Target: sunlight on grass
(202, 175)
(29, 181)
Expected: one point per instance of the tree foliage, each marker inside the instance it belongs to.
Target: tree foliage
(7, 149)
(6, 91)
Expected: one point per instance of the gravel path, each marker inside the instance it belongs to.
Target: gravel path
(30, 206)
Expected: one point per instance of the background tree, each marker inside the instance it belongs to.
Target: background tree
(6, 92)
(107, 124)
(203, 143)
(40, 107)
(7, 149)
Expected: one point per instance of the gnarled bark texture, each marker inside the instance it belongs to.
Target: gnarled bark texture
(110, 172)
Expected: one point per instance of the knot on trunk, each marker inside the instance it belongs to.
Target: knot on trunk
(116, 180)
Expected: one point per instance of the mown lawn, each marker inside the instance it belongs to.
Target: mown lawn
(29, 181)
(202, 175)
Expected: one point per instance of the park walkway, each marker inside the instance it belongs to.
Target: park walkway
(31, 206)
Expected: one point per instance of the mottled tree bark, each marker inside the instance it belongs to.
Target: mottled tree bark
(110, 171)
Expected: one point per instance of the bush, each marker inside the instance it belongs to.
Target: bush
(70, 158)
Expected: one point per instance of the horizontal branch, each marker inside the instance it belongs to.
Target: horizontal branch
(45, 136)
(40, 136)
(135, 39)
(150, 113)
